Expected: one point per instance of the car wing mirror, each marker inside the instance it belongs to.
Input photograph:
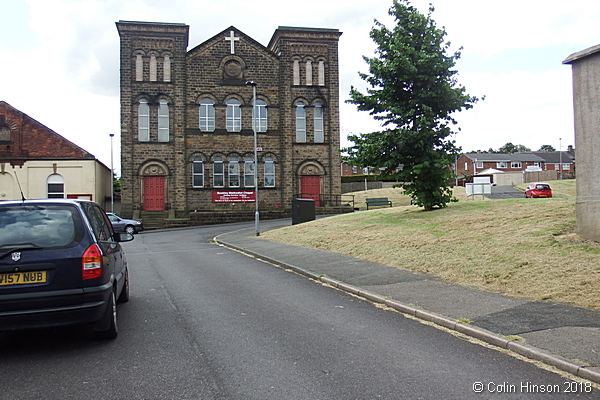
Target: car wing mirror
(124, 237)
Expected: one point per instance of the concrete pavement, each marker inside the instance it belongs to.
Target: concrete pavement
(561, 335)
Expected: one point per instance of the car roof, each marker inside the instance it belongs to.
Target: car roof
(44, 201)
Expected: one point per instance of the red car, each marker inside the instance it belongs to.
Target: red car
(538, 189)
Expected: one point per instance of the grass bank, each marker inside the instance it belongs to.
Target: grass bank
(519, 247)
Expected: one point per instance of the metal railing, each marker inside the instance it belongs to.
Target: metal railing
(329, 200)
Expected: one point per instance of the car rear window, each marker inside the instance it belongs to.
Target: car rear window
(45, 226)
(543, 187)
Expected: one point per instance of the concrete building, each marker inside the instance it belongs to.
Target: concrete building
(586, 99)
(36, 163)
(187, 119)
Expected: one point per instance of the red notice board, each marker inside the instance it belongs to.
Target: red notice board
(233, 196)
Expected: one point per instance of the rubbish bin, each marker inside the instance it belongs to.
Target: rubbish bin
(302, 210)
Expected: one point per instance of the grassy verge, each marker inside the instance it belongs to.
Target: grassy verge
(520, 247)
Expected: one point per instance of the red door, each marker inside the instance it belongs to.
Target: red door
(154, 193)
(310, 187)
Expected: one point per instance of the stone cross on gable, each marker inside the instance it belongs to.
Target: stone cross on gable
(232, 38)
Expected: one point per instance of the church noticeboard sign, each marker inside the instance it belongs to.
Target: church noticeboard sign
(237, 196)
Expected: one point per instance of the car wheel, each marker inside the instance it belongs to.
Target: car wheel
(111, 313)
(124, 296)
(129, 229)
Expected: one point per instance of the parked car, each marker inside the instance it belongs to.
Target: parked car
(538, 189)
(60, 264)
(125, 225)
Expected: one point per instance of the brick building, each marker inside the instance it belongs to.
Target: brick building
(474, 163)
(187, 140)
(38, 163)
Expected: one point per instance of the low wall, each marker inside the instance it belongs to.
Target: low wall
(348, 187)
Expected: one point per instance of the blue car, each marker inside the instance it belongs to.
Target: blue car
(61, 263)
(125, 225)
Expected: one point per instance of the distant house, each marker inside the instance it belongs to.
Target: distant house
(349, 169)
(36, 162)
(477, 163)
(562, 161)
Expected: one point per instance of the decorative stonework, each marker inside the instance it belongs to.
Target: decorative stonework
(154, 170)
(311, 168)
(233, 70)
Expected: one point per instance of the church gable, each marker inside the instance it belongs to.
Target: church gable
(24, 139)
(230, 58)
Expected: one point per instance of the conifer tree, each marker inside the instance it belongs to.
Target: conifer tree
(413, 91)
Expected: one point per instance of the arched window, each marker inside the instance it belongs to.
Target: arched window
(260, 119)
(163, 121)
(318, 123)
(197, 172)
(321, 73)
(234, 172)
(269, 172)
(309, 73)
(153, 67)
(248, 172)
(296, 72)
(139, 68)
(233, 117)
(218, 172)
(167, 68)
(300, 122)
(143, 121)
(207, 115)
(56, 186)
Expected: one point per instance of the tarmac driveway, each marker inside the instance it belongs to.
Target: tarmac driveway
(505, 192)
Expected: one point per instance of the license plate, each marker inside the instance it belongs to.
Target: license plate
(23, 278)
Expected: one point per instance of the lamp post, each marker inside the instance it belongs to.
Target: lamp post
(112, 176)
(560, 158)
(256, 213)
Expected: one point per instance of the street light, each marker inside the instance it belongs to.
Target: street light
(256, 213)
(112, 176)
(560, 157)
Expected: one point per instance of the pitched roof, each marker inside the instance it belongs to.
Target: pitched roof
(530, 157)
(556, 157)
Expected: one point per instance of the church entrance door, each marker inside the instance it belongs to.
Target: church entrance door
(154, 193)
(310, 186)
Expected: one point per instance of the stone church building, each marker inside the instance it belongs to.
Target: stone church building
(187, 134)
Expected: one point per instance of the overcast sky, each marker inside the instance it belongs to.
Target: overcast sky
(59, 59)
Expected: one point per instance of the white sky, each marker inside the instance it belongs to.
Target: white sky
(60, 59)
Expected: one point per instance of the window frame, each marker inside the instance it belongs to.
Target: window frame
(300, 122)
(318, 123)
(269, 171)
(55, 180)
(143, 116)
(233, 115)
(197, 161)
(233, 169)
(218, 172)
(260, 118)
(206, 115)
(249, 172)
(163, 121)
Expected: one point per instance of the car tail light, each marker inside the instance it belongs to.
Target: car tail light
(91, 263)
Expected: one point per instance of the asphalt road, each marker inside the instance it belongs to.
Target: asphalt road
(205, 322)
